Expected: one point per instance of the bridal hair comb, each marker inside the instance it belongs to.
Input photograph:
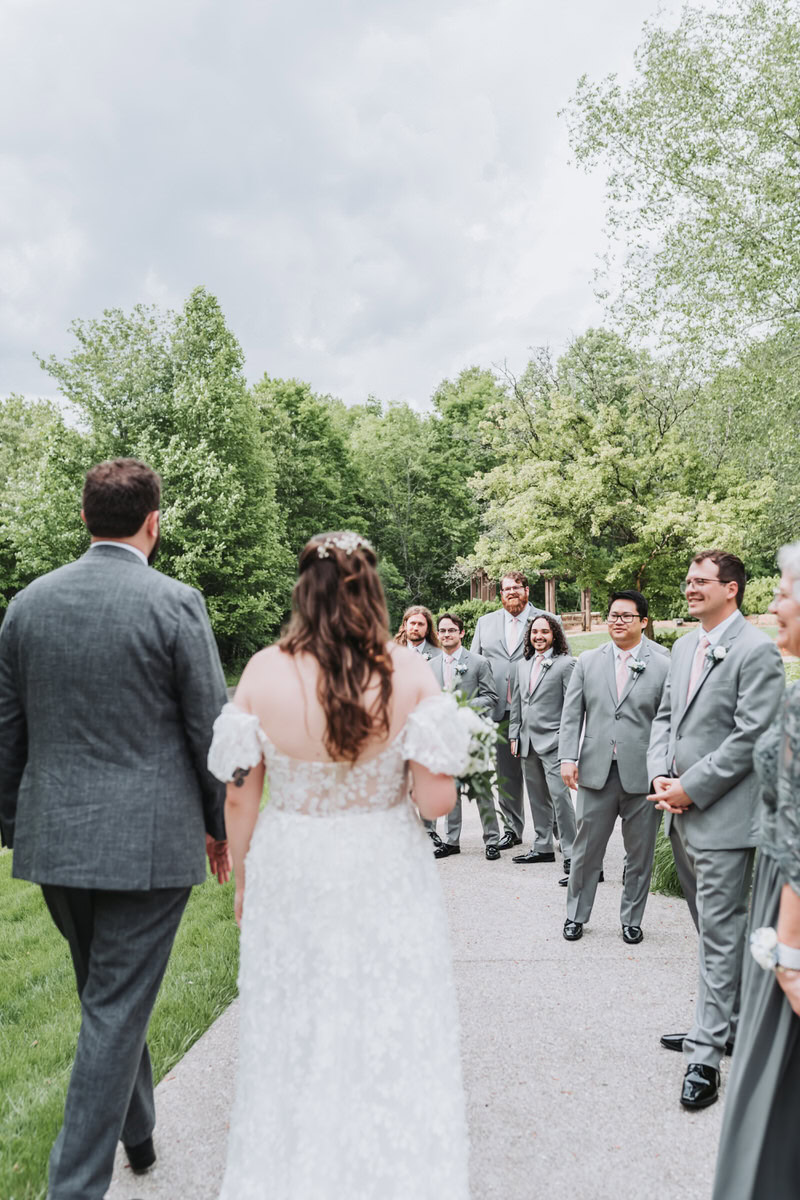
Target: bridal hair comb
(347, 542)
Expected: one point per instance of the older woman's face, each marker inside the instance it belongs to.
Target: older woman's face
(787, 610)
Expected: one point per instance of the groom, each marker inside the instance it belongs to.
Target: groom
(109, 684)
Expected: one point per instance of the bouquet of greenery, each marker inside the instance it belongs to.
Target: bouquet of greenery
(477, 779)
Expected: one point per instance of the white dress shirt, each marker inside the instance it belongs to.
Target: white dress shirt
(718, 632)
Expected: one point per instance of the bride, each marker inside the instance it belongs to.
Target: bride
(349, 1082)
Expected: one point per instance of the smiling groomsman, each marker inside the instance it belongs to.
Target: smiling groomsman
(458, 669)
(617, 688)
(725, 684)
(498, 637)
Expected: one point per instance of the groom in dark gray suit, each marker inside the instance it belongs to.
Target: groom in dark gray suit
(109, 684)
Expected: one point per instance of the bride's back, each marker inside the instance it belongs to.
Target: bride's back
(335, 689)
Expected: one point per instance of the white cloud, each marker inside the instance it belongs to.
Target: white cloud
(377, 193)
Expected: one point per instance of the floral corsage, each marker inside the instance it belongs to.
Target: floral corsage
(636, 666)
(715, 654)
(764, 947)
(547, 664)
(460, 669)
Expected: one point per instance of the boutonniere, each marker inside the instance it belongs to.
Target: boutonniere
(636, 666)
(547, 664)
(425, 656)
(460, 669)
(716, 654)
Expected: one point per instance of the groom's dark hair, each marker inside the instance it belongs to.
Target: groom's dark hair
(118, 496)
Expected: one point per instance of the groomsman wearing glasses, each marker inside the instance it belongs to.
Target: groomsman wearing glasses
(499, 637)
(725, 684)
(458, 669)
(617, 688)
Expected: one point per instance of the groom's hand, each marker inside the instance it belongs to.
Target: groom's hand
(569, 773)
(669, 796)
(219, 858)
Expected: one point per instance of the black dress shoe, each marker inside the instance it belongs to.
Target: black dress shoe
(534, 856)
(444, 851)
(508, 840)
(567, 865)
(601, 878)
(632, 934)
(674, 1041)
(564, 882)
(492, 853)
(433, 835)
(141, 1157)
(700, 1086)
(573, 930)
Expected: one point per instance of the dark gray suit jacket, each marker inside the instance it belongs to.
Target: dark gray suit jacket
(110, 681)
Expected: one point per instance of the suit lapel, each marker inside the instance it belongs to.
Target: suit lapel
(727, 638)
(611, 671)
(438, 667)
(633, 675)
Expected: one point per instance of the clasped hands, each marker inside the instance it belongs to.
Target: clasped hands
(669, 796)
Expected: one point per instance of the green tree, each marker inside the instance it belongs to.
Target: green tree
(315, 480)
(702, 151)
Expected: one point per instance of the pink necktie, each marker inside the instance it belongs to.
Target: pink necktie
(448, 672)
(537, 670)
(622, 672)
(697, 665)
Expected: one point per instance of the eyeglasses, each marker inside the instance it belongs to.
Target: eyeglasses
(512, 589)
(696, 581)
(626, 618)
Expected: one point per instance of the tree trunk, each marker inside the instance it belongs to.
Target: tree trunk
(586, 609)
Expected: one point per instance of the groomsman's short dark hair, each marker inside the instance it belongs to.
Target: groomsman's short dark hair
(730, 567)
(118, 496)
(450, 617)
(638, 599)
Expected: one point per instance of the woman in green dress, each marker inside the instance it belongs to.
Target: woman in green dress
(759, 1151)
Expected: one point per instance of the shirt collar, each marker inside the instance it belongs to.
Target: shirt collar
(634, 652)
(548, 652)
(124, 546)
(452, 657)
(718, 632)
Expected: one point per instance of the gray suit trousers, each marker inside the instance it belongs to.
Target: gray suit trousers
(548, 794)
(120, 944)
(597, 810)
(511, 793)
(716, 884)
(488, 816)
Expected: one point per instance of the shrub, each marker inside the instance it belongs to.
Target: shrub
(667, 637)
(469, 611)
(758, 595)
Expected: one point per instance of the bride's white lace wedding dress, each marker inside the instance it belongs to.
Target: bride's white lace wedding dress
(349, 1083)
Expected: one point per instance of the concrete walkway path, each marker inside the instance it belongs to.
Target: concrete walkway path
(569, 1093)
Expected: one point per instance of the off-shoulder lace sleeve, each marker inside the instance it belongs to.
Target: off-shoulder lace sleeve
(236, 745)
(437, 737)
(787, 832)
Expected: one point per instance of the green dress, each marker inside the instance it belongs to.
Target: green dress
(759, 1150)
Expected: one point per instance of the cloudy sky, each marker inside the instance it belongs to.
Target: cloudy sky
(377, 191)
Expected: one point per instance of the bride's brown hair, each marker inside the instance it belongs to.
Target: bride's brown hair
(339, 616)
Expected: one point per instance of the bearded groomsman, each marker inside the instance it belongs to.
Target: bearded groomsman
(618, 689)
(458, 669)
(725, 684)
(499, 637)
(417, 632)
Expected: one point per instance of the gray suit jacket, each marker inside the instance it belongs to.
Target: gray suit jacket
(626, 722)
(490, 641)
(711, 739)
(429, 649)
(536, 716)
(110, 681)
(477, 680)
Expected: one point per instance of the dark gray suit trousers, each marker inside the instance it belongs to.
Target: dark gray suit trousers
(120, 944)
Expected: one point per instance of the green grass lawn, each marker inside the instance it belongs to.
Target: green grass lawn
(40, 1015)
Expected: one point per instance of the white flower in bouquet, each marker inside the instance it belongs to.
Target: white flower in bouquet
(764, 947)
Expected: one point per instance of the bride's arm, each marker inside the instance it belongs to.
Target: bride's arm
(241, 813)
(434, 795)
